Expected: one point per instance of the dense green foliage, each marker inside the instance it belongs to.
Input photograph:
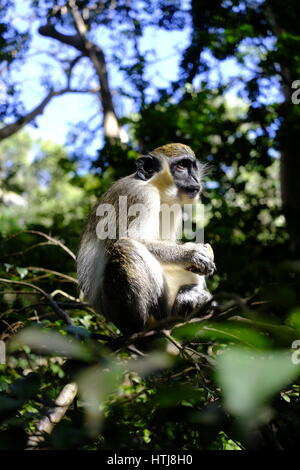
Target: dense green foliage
(229, 378)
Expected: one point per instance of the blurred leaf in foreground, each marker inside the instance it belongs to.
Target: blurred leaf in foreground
(232, 331)
(49, 342)
(249, 378)
(96, 383)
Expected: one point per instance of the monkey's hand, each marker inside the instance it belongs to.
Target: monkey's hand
(201, 259)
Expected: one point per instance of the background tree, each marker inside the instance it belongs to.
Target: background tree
(227, 379)
(78, 25)
(265, 46)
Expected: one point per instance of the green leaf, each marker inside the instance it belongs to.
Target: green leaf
(168, 396)
(293, 319)
(96, 383)
(249, 378)
(226, 332)
(282, 334)
(22, 272)
(49, 342)
(8, 266)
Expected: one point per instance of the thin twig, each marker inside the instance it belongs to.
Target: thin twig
(22, 252)
(61, 313)
(50, 271)
(53, 241)
(63, 293)
(167, 335)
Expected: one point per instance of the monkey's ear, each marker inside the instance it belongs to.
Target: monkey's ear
(146, 166)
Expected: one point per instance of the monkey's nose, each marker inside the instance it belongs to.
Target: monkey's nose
(192, 191)
(194, 188)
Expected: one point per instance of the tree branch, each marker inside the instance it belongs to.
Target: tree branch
(48, 30)
(47, 423)
(60, 312)
(11, 129)
(96, 55)
(51, 240)
(16, 126)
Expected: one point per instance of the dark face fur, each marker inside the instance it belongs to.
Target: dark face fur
(186, 174)
(184, 168)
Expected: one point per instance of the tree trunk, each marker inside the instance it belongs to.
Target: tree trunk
(288, 136)
(79, 41)
(290, 180)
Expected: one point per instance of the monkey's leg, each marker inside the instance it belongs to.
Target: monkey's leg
(190, 298)
(134, 286)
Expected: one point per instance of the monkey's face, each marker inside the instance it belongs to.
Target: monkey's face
(186, 173)
(174, 170)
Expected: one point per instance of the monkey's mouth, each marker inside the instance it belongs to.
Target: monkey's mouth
(191, 192)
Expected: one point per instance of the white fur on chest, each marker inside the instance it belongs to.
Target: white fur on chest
(176, 277)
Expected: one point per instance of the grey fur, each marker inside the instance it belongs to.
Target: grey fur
(138, 275)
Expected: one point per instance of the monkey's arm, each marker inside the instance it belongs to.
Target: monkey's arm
(193, 256)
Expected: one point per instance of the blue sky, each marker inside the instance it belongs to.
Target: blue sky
(62, 111)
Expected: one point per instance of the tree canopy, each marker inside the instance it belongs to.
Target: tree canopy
(228, 378)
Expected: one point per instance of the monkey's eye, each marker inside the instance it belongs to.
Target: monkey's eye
(182, 165)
